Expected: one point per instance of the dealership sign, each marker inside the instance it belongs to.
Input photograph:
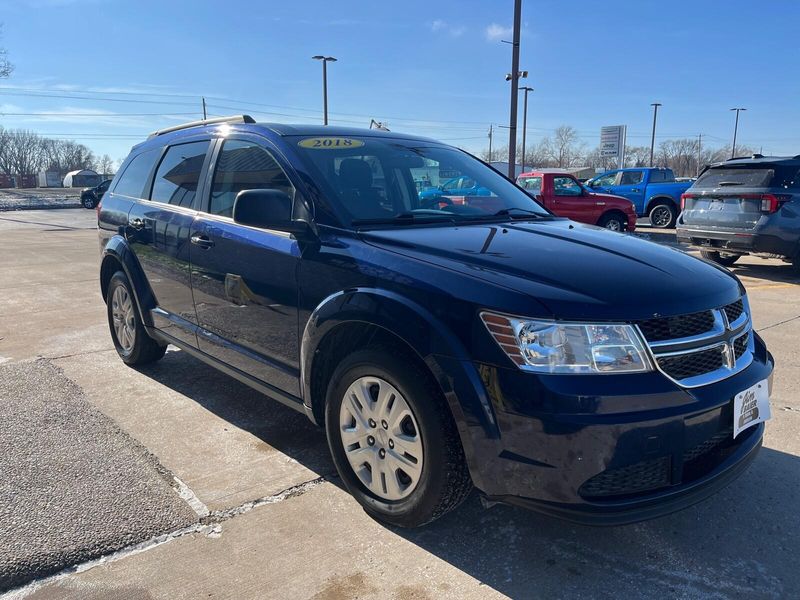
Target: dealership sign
(612, 141)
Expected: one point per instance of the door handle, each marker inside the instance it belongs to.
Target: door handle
(600, 203)
(634, 189)
(136, 223)
(203, 241)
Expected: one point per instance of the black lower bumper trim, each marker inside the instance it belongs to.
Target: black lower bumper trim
(623, 512)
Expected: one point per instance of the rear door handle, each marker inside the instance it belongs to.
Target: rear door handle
(136, 223)
(203, 241)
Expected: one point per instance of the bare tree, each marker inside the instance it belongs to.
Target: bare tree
(566, 148)
(105, 165)
(5, 66)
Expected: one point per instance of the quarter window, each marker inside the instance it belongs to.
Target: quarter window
(133, 179)
(244, 166)
(179, 173)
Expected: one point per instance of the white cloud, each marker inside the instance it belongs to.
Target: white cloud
(495, 32)
(440, 26)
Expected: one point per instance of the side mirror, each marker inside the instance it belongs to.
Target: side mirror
(267, 209)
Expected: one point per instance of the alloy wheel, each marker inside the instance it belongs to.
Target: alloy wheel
(661, 216)
(381, 438)
(124, 318)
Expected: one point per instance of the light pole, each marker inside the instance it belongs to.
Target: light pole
(325, 60)
(524, 122)
(655, 106)
(512, 118)
(735, 131)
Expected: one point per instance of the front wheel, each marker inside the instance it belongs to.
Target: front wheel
(393, 439)
(663, 216)
(88, 202)
(721, 258)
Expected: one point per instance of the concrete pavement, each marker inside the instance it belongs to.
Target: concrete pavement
(277, 522)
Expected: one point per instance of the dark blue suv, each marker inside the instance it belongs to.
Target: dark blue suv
(472, 341)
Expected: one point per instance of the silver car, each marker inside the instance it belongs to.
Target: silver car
(744, 206)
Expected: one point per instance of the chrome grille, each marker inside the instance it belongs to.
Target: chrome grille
(669, 328)
(702, 347)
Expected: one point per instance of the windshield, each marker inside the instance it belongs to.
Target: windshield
(384, 180)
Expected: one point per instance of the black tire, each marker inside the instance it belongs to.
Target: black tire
(144, 349)
(663, 215)
(88, 202)
(726, 260)
(613, 221)
(444, 481)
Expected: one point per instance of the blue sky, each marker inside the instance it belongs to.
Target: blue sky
(434, 68)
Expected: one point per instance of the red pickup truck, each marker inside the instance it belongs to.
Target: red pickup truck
(564, 195)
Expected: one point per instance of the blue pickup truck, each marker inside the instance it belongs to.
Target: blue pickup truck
(653, 191)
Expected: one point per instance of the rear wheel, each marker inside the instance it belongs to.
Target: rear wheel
(613, 221)
(721, 258)
(663, 216)
(131, 340)
(393, 439)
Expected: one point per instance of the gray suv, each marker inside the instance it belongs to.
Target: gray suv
(744, 206)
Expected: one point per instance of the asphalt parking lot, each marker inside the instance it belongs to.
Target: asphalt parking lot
(256, 510)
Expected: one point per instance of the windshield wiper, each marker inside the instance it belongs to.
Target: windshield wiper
(507, 211)
(727, 183)
(405, 218)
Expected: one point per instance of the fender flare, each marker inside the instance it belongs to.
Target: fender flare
(118, 248)
(426, 335)
(658, 200)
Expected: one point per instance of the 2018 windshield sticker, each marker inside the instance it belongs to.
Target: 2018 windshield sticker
(330, 143)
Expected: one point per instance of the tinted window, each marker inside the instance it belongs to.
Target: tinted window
(566, 186)
(178, 174)
(658, 176)
(631, 177)
(735, 177)
(133, 179)
(244, 166)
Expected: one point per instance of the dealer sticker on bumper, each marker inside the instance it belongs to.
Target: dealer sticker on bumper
(751, 407)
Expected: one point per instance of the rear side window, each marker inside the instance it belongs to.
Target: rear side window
(533, 184)
(661, 176)
(179, 173)
(132, 181)
(735, 177)
(631, 177)
(244, 166)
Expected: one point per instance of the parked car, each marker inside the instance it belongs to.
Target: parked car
(745, 206)
(564, 195)
(91, 196)
(456, 186)
(488, 343)
(653, 191)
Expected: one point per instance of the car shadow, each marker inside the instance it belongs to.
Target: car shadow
(773, 272)
(740, 542)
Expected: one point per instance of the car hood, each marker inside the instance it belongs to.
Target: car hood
(575, 271)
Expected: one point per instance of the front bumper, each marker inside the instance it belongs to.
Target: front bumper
(604, 452)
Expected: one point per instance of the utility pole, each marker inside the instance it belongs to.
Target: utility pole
(524, 122)
(735, 131)
(205, 115)
(699, 151)
(490, 142)
(512, 123)
(325, 60)
(655, 106)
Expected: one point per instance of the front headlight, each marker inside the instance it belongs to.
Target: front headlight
(581, 348)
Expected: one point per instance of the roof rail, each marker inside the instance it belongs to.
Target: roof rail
(201, 122)
(738, 158)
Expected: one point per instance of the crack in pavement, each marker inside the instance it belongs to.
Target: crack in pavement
(209, 525)
(779, 323)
